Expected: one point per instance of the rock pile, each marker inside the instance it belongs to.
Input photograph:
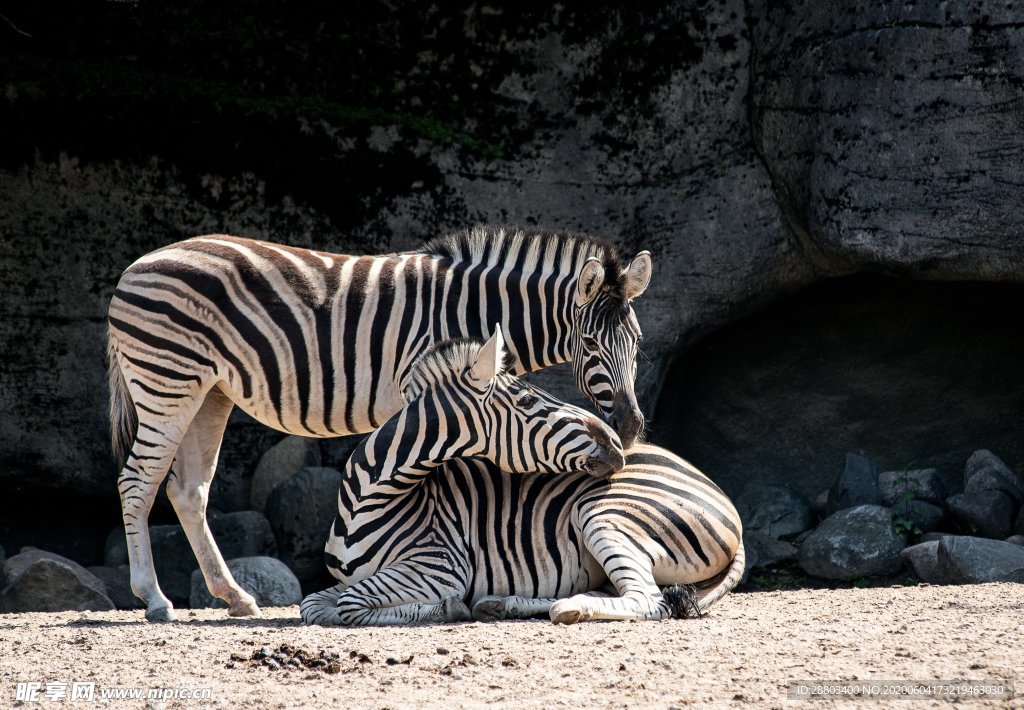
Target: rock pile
(266, 554)
(874, 524)
(42, 581)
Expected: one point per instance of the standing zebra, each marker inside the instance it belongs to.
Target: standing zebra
(316, 344)
(422, 528)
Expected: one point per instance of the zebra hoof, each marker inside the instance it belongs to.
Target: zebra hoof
(454, 609)
(244, 608)
(490, 609)
(161, 613)
(563, 614)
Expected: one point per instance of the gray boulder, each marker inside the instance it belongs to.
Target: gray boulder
(820, 505)
(115, 549)
(1016, 540)
(975, 560)
(269, 581)
(923, 484)
(923, 559)
(335, 451)
(280, 462)
(301, 511)
(854, 542)
(173, 560)
(246, 533)
(764, 550)
(15, 566)
(118, 584)
(987, 513)
(985, 471)
(918, 516)
(856, 485)
(43, 581)
(752, 560)
(773, 511)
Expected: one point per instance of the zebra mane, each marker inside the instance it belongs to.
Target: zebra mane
(497, 244)
(444, 361)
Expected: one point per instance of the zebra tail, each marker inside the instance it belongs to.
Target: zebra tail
(687, 601)
(123, 419)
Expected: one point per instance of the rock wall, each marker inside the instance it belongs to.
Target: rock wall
(753, 147)
(892, 132)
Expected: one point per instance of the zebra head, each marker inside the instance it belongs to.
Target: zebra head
(485, 411)
(605, 338)
(527, 430)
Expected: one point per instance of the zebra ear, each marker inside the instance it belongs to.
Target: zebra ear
(488, 361)
(637, 275)
(589, 282)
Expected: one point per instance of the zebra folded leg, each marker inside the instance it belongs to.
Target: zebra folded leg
(494, 608)
(319, 608)
(397, 595)
(188, 487)
(629, 570)
(637, 604)
(514, 607)
(331, 609)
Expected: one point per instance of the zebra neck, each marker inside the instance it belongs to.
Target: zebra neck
(402, 452)
(533, 306)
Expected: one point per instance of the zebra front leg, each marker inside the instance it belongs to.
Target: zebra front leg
(401, 594)
(189, 487)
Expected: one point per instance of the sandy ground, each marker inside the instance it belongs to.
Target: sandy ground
(746, 651)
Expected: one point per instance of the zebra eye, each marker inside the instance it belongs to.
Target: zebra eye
(527, 400)
(590, 342)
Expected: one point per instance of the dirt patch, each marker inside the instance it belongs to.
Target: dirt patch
(749, 649)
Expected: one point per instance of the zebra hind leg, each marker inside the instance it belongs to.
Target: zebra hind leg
(148, 462)
(320, 608)
(629, 570)
(188, 488)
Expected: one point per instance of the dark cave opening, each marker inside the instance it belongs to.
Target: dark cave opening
(912, 374)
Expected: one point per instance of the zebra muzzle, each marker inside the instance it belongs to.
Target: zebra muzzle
(605, 462)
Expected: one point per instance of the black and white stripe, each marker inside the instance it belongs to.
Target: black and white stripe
(394, 547)
(570, 546)
(317, 344)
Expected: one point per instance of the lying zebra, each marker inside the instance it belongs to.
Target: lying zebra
(422, 529)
